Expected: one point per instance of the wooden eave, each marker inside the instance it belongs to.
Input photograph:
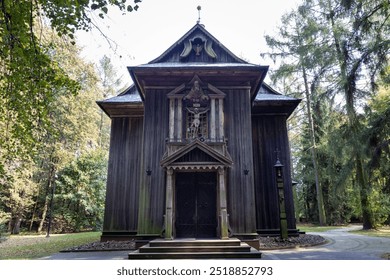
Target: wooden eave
(219, 75)
(117, 110)
(220, 159)
(126, 104)
(269, 101)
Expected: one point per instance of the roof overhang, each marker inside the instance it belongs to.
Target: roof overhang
(270, 101)
(126, 104)
(217, 74)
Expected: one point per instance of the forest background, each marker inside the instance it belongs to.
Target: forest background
(54, 139)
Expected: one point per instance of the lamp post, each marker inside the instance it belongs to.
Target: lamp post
(51, 205)
(282, 208)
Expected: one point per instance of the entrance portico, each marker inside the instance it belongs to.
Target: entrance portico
(196, 202)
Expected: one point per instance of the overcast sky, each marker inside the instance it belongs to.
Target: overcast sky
(141, 36)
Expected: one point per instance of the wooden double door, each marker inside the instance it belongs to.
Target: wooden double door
(196, 210)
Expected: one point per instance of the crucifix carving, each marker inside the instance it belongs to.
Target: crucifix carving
(194, 128)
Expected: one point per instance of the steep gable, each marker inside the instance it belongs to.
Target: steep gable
(197, 45)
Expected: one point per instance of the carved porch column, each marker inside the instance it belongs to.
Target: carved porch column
(169, 205)
(171, 118)
(212, 119)
(221, 119)
(223, 215)
(179, 112)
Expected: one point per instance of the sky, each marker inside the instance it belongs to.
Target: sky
(139, 37)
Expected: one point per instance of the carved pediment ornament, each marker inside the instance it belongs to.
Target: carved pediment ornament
(198, 44)
(196, 93)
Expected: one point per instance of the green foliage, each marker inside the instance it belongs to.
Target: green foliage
(4, 218)
(49, 120)
(80, 193)
(377, 134)
(30, 77)
(68, 16)
(333, 54)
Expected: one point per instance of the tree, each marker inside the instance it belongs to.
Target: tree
(73, 122)
(301, 48)
(360, 35)
(81, 192)
(29, 76)
(337, 51)
(38, 136)
(377, 135)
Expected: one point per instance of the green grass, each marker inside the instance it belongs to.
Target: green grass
(380, 232)
(314, 228)
(36, 246)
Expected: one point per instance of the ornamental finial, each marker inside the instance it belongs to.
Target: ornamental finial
(199, 9)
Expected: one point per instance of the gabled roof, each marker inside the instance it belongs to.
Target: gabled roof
(213, 48)
(196, 53)
(211, 158)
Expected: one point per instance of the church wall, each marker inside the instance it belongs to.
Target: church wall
(269, 134)
(152, 187)
(240, 185)
(121, 209)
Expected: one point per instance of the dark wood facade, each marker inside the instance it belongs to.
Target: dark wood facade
(197, 112)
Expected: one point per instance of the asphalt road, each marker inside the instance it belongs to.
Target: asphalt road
(341, 245)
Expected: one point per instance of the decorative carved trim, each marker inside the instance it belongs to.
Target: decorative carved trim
(173, 93)
(196, 167)
(197, 44)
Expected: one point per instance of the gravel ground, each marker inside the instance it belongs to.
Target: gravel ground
(266, 243)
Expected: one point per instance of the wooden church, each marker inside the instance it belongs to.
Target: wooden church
(193, 147)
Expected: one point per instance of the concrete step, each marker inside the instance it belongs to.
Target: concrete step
(179, 249)
(187, 242)
(195, 249)
(253, 254)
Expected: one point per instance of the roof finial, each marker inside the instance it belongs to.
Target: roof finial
(199, 8)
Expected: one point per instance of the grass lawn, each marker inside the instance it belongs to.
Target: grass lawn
(380, 232)
(314, 228)
(27, 247)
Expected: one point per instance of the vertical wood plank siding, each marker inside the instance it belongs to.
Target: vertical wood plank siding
(152, 188)
(269, 134)
(240, 189)
(121, 210)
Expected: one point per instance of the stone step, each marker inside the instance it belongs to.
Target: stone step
(253, 254)
(179, 249)
(195, 249)
(188, 242)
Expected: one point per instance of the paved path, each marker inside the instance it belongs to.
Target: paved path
(341, 245)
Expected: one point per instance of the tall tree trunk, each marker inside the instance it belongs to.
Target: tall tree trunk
(44, 213)
(34, 211)
(15, 224)
(319, 194)
(47, 199)
(349, 81)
